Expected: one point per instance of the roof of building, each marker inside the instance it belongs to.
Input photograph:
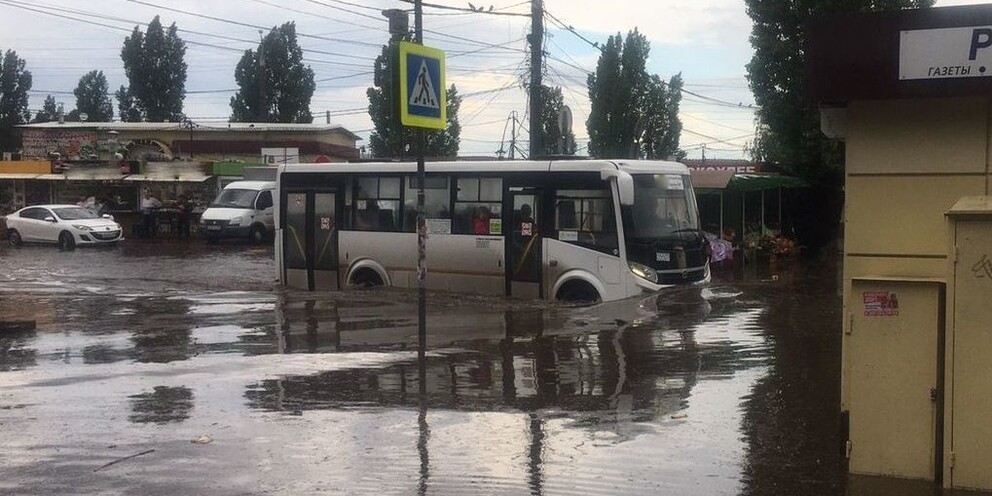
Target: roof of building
(212, 127)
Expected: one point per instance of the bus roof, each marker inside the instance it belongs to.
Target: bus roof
(631, 166)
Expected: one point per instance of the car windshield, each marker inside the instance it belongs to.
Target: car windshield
(663, 206)
(75, 213)
(235, 198)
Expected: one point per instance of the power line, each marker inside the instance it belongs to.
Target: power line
(570, 29)
(468, 10)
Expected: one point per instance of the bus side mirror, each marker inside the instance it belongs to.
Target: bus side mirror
(625, 183)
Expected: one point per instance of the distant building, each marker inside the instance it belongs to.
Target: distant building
(162, 141)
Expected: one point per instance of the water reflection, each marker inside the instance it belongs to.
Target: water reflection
(162, 405)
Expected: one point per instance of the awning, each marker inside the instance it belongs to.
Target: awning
(102, 174)
(759, 182)
(710, 179)
(51, 177)
(17, 175)
(718, 180)
(181, 178)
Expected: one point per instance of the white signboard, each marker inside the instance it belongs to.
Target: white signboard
(945, 53)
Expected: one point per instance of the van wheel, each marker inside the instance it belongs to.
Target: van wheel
(14, 238)
(257, 234)
(66, 241)
(578, 292)
(366, 278)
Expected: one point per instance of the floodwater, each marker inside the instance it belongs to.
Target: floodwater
(144, 348)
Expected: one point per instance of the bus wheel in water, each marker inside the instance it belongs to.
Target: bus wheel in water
(366, 278)
(577, 292)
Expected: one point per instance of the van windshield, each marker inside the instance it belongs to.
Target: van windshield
(235, 198)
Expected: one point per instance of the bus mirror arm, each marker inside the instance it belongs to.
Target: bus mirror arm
(625, 183)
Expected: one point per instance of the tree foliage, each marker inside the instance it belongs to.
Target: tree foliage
(551, 137)
(390, 139)
(15, 82)
(633, 114)
(156, 73)
(275, 85)
(789, 129)
(92, 99)
(49, 111)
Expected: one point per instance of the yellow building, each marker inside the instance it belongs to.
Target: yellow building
(910, 94)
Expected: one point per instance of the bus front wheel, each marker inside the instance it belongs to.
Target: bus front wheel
(366, 278)
(577, 292)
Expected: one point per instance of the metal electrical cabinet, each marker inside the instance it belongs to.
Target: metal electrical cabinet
(892, 369)
(969, 405)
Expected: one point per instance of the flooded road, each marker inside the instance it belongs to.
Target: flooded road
(143, 349)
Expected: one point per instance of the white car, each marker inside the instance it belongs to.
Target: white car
(64, 225)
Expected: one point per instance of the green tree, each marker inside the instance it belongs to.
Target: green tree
(788, 131)
(554, 102)
(275, 85)
(156, 73)
(49, 111)
(633, 114)
(15, 82)
(126, 107)
(390, 139)
(92, 99)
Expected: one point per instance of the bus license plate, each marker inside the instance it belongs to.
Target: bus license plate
(663, 256)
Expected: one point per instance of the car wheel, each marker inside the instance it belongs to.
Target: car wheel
(66, 241)
(257, 234)
(14, 237)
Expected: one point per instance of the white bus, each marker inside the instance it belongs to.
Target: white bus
(577, 230)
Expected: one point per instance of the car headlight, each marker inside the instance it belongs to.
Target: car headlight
(643, 271)
(82, 228)
(236, 220)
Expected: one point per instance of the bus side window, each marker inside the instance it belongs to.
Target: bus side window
(586, 217)
(437, 199)
(377, 204)
(478, 206)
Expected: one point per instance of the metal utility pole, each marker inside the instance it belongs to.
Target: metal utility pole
(418, 37)
(513, 134)
(536, 39)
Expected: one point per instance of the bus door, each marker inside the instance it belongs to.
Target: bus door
(523, 248)
(310, 240)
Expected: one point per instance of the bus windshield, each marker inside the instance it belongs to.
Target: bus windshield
(663, 207)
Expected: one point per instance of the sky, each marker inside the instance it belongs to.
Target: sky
(704, 40)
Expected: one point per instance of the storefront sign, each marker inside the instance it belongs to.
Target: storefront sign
(880, 304)
(945, 53)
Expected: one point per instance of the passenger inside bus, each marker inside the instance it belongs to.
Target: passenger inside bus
(480, 223)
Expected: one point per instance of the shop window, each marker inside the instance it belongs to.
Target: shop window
(479, 206)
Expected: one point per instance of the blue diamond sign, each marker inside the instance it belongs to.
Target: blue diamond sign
(423, 99)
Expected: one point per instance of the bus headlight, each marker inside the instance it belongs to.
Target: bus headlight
(643, 271)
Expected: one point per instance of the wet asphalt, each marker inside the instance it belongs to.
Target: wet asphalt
(145, 348)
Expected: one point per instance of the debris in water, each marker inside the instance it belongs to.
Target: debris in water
(680, 416)
(122, 459)
(204, 439)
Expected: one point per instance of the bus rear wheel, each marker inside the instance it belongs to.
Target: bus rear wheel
(578, 292)
(366, 278)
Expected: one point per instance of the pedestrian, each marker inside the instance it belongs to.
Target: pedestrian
(149, 208)
(184, 207)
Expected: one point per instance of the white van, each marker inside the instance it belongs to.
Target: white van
(243, 209)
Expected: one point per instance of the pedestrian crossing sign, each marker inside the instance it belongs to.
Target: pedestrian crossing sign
(423, 99)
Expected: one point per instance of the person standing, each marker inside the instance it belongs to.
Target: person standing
(185, 206)
(149, 207)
